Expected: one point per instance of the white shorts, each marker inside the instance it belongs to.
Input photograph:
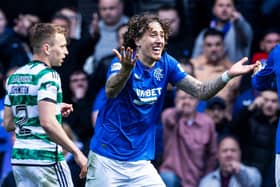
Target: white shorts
(277, 170)
(57, 175)
(103, 171)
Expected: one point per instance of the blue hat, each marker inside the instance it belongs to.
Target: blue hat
(216, 101)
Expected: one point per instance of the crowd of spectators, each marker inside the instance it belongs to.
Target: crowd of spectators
(194, 136)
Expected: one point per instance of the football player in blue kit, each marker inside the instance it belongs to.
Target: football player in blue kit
(124, 139)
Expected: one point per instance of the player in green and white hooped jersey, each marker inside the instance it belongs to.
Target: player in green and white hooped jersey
(34, 109)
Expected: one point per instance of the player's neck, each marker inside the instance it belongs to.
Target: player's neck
(147, 61)
(40, 58)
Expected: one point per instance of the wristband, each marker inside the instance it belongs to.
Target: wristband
(225, 77)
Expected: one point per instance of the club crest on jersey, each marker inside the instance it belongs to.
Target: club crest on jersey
(137, 76)
(158, 74)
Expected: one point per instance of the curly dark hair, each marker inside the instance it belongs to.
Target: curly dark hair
(139, 24)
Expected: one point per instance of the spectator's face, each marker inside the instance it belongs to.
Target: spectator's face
(172, 17)
(213, 48)
(151, 44)
(78, 81)
(3, 22)
(269, 41)
(216, 113)
(58, 51)
(223, 9)
(228, 151)
(270, 105)
(185, 103)
(110, 11)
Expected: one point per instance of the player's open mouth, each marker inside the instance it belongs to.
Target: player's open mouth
(157, 50)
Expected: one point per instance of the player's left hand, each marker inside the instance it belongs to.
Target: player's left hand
(240, 68)
(66, 109)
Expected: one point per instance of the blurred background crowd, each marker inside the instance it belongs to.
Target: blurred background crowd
(206, 37)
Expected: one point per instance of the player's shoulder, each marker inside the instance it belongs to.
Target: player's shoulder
(42, 69)
(167, 58)
(49, 74)
(275, 49)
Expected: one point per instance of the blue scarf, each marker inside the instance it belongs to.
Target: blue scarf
(225, 29)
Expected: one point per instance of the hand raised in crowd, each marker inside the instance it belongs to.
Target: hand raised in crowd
(235, 16)
(240, 68)
(94, 29)
(257, 103)
(233, 167)
(127, 58)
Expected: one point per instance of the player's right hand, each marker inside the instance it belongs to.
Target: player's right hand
(127, 58)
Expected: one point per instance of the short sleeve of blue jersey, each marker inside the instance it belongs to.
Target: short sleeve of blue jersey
(175, 72)
(100, 100)
(115, 67)
(265, 78)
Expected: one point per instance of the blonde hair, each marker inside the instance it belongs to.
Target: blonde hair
(41, 33)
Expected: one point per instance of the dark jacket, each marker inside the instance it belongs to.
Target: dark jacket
(12, 52)
(257, 138)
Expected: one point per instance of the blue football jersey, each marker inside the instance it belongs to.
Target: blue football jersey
(126, 125)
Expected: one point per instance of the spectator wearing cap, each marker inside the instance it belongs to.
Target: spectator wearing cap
(216, 109)
(256, 125)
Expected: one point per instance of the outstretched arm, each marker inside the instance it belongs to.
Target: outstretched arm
(243, 29)
(208, 89)
(201, 90)
(116, 82)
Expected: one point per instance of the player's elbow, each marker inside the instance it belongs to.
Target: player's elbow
(45, 122)
(9, 125)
